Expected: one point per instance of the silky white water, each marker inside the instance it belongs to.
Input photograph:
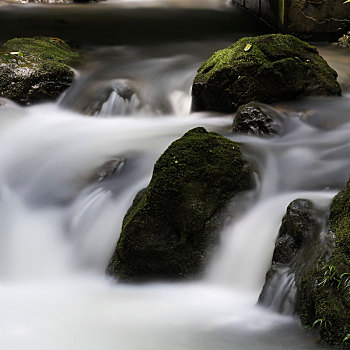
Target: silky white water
(58, 230)
(59, 224)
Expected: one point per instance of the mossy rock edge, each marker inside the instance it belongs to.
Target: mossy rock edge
(35, 69)
(170, 227)
(267, 68)
(325, 288)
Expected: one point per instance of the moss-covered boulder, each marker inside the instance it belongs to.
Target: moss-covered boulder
(324, 300)
(265, 68)
(35, 69)
(170, 227)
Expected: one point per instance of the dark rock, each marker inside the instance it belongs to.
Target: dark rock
(297, 246)
(35, 69)
(315, 20)
(256, 119)
(285, 249)
(325, 286)
(298, 227)
(320, 265)
(266, 68)
(168, 230)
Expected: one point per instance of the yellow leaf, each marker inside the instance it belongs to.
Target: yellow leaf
(247, 47)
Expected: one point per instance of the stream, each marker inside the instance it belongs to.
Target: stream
(60, 221)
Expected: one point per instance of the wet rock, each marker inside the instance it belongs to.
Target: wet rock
(325, 285)
(256, 119)
(168, 231)
(298, 227)
(319, 264)
(266, 68)
(344, 41)
(35, 69)
(314, 20)
(297, 246)
(109, 168)
(120, 97)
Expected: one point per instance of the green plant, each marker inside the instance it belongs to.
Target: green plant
(12, 55)
(320, 322)
(347, 337)
(346, 1)
(330, 276)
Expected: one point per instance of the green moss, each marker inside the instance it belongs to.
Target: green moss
(42, 49)
(165, 233)
(265, 68)
(34, 69)
(331, 300)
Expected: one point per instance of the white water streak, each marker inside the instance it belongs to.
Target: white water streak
(247, 244)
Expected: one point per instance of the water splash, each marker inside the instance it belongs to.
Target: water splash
(281, 292)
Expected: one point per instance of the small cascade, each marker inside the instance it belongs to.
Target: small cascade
(123, 100)
(281, 292)
(243, 268)
(300, 242)
(70, 170)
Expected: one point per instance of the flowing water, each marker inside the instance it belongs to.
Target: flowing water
(60, 219)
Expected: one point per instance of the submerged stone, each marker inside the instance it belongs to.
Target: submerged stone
(170, 227)
(109, 168)
(35, 69)
(119, 97)
(265, 68)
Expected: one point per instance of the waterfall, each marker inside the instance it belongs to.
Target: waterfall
(281, 292)
(61, 208)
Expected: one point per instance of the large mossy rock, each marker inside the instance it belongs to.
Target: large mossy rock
(325, 287)
(35, 69)
(265, 68)
(170, 227)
